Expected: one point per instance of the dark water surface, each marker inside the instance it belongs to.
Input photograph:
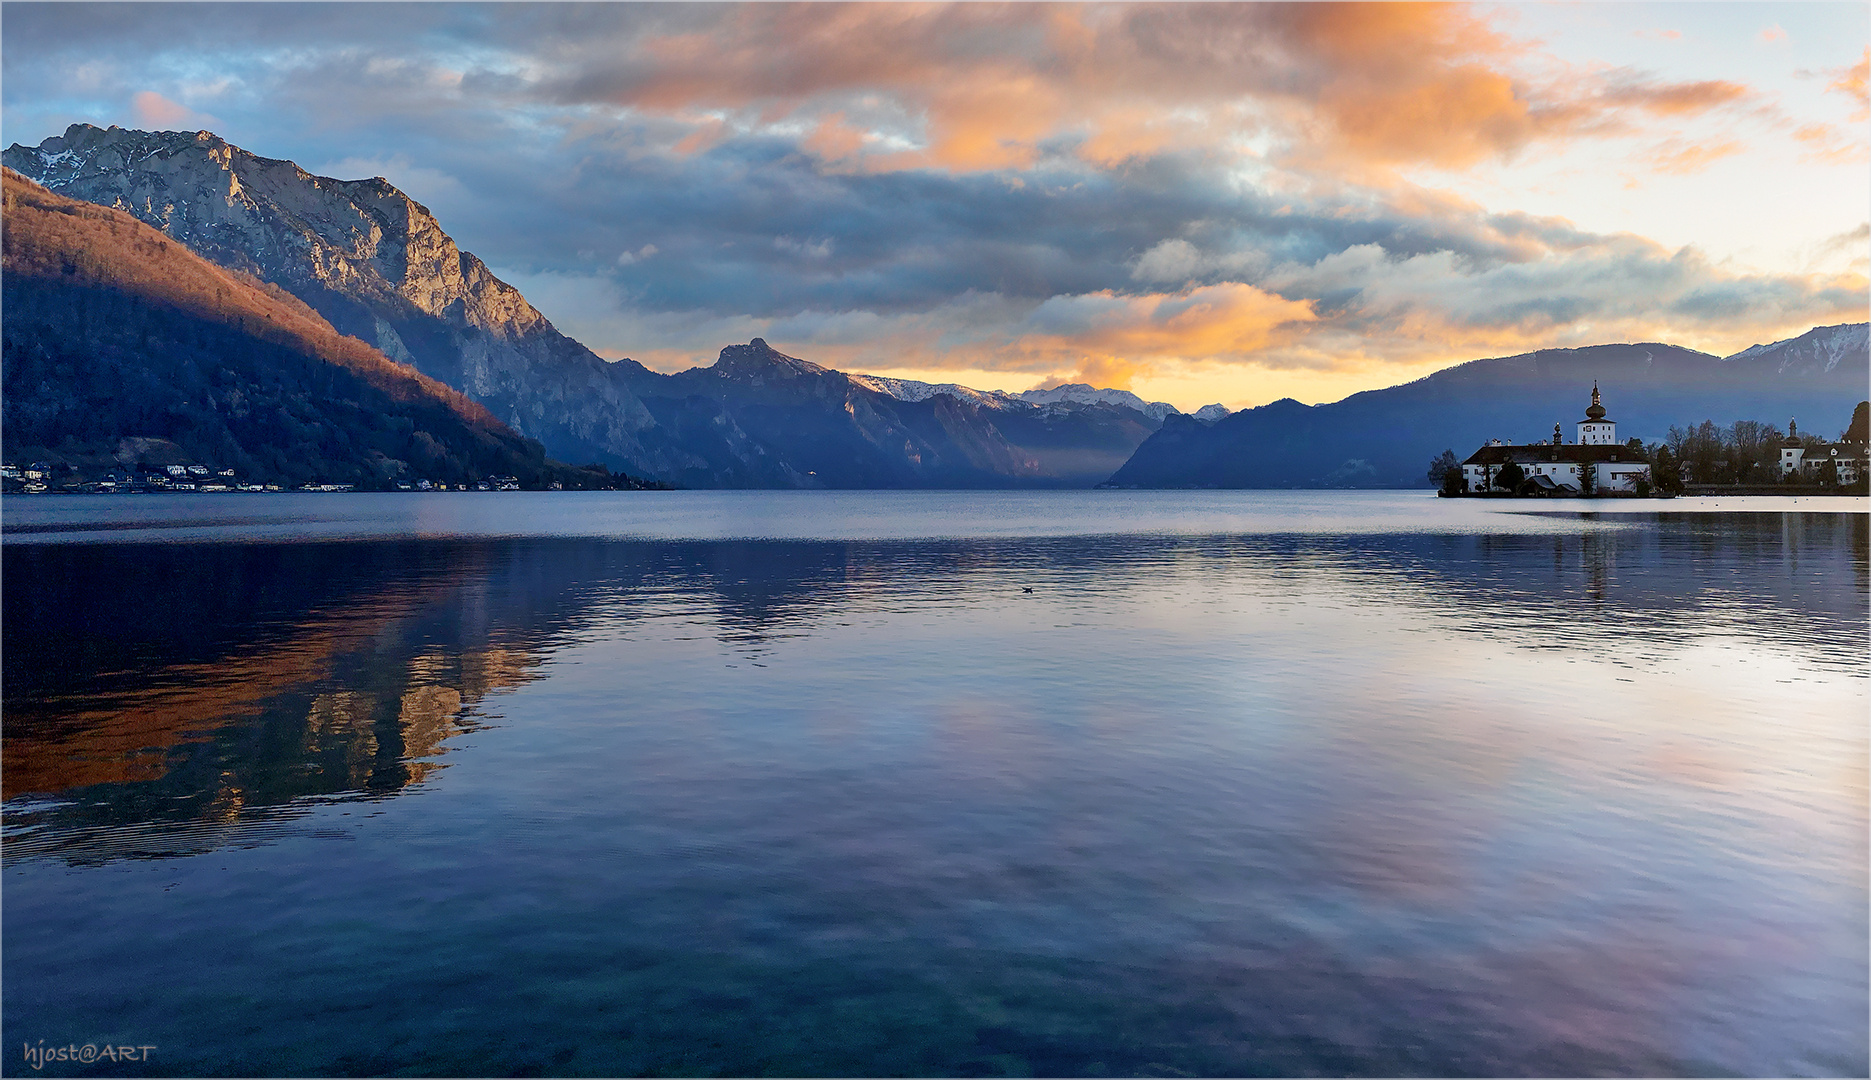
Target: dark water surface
(783, 783)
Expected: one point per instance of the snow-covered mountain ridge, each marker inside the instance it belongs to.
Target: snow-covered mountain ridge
(912, 390)
(1084, 394)
(1071, 394)
(1822, 348)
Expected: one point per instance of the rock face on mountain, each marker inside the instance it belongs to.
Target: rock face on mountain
(117, 338)
(378, 266)
(372, 261)
(1386, 438)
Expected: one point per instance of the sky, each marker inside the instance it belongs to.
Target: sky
(1200, 203)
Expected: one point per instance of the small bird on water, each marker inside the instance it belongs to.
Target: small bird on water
(1027, 588)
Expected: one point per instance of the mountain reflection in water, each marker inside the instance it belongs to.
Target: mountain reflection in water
(1577, 796)
(218, 686)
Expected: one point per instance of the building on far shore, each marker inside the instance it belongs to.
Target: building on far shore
(1554, 467)
(1802, 462)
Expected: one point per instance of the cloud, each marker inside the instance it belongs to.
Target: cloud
(1098, 371)
(1225, 322)
(1677, 157)
(1628, 89)
(1771, 34)
(1852, 82)
(805, 249)
(980, 87)
(1366, 309)
(1619, 288)
(1852, 247)
(962, 87)
(1173, 260)
(158, 112)
(1828, 144)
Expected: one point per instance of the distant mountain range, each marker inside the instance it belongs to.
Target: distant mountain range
(761, 418)
(118, 341)
(1386, 438)
(1068, 394)
(377, 266)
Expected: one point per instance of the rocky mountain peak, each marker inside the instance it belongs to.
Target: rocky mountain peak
(362, 239)
(375, 263)
(757, 359)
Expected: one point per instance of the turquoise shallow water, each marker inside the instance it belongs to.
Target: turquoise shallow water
(809, 784)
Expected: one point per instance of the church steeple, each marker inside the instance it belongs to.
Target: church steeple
(1595, 430)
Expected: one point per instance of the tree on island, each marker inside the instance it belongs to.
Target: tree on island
(1666, 471)
(1510, 477)
(1700, 448)
(1751, 451)
(1588, 479)
(1744, 452)
(1860, 429)
(1454, 483)
(1440, 467)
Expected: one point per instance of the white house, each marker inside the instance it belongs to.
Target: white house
(1557, 466)
(1796, 457)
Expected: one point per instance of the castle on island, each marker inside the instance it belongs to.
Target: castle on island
(1596, 462)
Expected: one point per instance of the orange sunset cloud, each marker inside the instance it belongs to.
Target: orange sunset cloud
(978, 87)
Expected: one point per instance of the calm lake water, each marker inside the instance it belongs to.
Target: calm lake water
(1099, 783)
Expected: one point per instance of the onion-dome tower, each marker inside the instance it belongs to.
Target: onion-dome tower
(1595, 430)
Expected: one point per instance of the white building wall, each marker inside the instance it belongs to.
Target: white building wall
(1613, 476)
(1847, 464)
(1621, 476)
(1600, 433)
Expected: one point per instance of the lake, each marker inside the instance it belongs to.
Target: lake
(1071, 783)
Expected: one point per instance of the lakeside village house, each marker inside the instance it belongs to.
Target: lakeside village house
(1554, 467)
(39, 477)
(1796, 457)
